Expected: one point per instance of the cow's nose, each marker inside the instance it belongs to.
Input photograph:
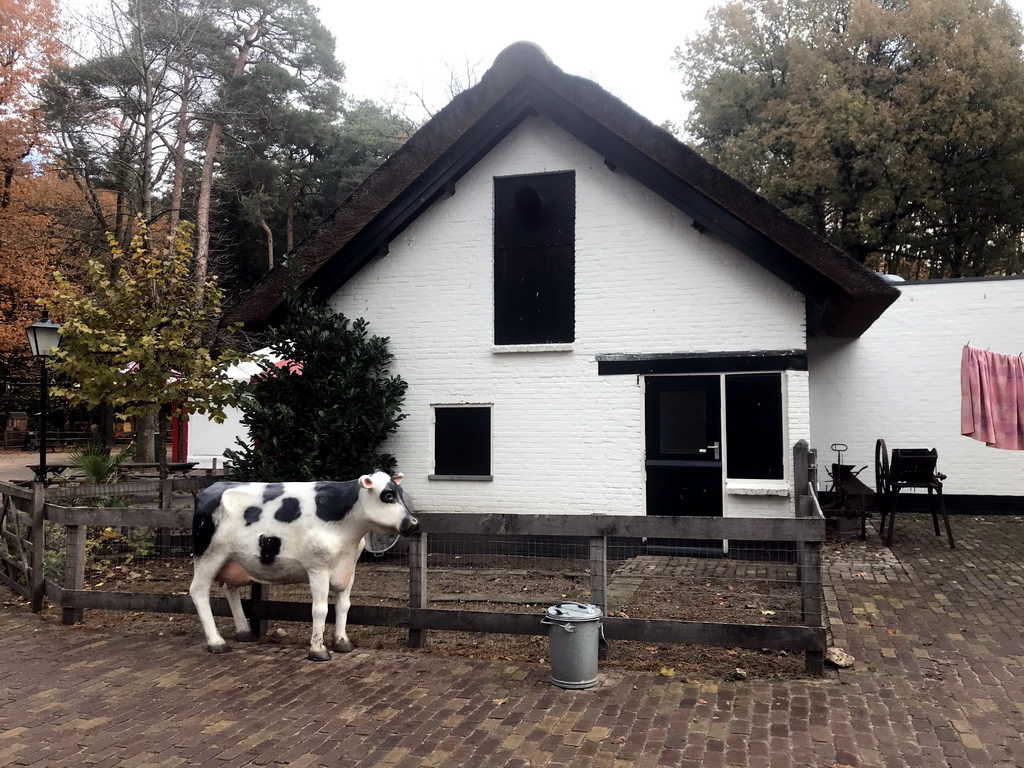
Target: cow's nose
(410, 525)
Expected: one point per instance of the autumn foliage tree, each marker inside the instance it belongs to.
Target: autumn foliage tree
(28, 48)
(137, 333)
(28, 250)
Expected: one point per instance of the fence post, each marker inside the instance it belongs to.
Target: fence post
(163, 535)
(258, 593)
(37, 579)
(417, 585)
(810, 593)
(808, 555)
(599, 580)
(801, 474)
(74, 569)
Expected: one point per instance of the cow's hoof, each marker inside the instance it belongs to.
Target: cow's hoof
(221, 648)
(246, 637)
(323, 655)
(342, 646)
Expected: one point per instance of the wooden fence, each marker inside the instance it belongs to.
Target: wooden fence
(805, 534)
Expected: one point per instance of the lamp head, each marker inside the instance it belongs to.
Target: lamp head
(43, 336)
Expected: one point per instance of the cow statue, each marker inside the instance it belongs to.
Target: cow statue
(286, 533)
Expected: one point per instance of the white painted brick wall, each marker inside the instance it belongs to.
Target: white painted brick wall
(901, 382)
(564, 439)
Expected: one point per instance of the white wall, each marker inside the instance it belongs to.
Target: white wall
(207, 440)
(564, 439)
(901, 381)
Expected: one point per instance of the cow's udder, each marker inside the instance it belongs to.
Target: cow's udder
(233, 575)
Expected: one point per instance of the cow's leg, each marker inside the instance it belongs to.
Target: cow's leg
(342, 586)
(205, 569)
(319, 587)
(243, 632)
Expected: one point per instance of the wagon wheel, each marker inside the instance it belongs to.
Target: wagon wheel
(882, 477)
(881, 467)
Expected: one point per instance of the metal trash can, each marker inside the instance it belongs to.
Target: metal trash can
(574, 635)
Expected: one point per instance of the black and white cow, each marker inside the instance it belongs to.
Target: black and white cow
(285, 533)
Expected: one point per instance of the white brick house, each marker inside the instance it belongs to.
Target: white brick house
(591, 318)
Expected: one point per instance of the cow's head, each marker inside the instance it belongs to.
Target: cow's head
(384, 503)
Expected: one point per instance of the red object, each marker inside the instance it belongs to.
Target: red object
(179, 434)
(291, 366)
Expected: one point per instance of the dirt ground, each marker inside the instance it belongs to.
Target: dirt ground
(710, 591)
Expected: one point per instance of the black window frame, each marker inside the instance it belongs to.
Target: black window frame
(458, 453)
(755, 426)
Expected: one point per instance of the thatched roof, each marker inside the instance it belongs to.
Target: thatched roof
(843, 297)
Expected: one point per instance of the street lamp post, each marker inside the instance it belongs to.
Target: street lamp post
(43, 338)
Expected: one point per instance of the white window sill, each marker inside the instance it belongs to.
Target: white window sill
(512, 348)
(758, 487)
(463, 478)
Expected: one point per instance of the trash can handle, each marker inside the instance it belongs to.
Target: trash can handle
(568, 627)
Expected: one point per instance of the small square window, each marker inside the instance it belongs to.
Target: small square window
(462, 442)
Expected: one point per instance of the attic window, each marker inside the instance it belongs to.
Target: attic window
(534, 259)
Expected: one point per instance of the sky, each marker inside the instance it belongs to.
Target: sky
(395, 51)
(412, 47)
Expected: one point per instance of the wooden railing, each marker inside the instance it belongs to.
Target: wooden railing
(805, 533)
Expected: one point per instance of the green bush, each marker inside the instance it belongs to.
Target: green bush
(327, 419)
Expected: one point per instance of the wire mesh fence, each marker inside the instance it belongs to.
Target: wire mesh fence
(745, 583)
(710, 582)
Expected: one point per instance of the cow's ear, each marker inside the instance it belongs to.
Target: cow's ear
(366, 481)
(397, 477)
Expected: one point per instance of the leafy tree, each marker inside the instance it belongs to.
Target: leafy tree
(226, 112)
(28, 48)
(136, 334)
(894, 129)
(279, 50)
(121, 116)
(325, 412)
(284, 172)
(32, 245)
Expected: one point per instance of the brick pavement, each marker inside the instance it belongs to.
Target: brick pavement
(939, 681)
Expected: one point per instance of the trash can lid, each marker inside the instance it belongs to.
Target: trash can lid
(573, 611)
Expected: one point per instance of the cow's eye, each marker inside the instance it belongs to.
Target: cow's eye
(388, 496)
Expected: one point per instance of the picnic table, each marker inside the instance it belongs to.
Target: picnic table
(56, 469)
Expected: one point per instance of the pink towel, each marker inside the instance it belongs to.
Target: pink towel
(992, 398)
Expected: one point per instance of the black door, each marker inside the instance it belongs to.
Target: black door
(684, 451)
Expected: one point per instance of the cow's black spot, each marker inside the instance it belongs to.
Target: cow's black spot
(203, 529)
(270, 548)
(335, 500)
(392, 492)
(252, 514)
(203, 526)
(272, 491)
(289, 511)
